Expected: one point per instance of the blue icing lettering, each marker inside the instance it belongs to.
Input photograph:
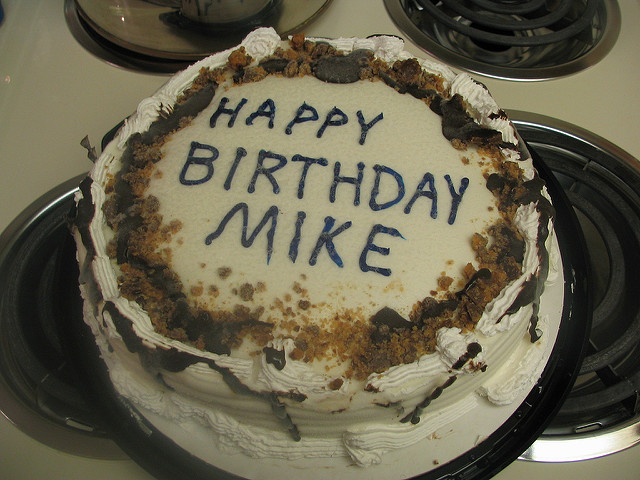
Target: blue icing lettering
(240, 154)
(456, 197)
(270, 215)
(431, 193)
(301, 118)
(337, 179)
(223, 110)
(267, 109)
(373, 202)
(365, 127)
(295, 241)
(192, 160)
(372, 247)
(388, 189)
(334, 118)
(326, 239)
(267, 172)
(305, 113)
(308, 161)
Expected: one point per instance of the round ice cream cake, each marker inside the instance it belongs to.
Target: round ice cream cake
(316, 248)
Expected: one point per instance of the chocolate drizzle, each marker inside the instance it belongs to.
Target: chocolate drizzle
(124, 326)
(173, 360)
(431, 308)
(473, 349)
(281, 414)
(274, 65)
(526, 296)
(84, 216)
(275, 357)
(190, 107)
(342, 69)
(390, 318)
(530, 191)
(457, 124)
(547, 212)
(482, 274)
(413, 90)
(414, 415)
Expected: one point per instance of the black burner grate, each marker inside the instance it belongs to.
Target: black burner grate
(513, 23)
(603, 185)
(39, 388)
(511, 39)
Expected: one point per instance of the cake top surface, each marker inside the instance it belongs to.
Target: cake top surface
(326, 197)
(311, 241)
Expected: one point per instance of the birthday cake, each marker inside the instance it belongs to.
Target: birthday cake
(316, 248)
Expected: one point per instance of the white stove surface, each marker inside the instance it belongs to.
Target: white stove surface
(53, 93)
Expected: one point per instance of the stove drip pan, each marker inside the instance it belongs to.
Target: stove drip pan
(602, 182)
(153, 36)
(511, 40)
(39, 389)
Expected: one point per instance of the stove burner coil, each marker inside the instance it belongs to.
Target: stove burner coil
(511, 39)
(39, 389)
(612, 206)
(512, 19)
(602, 183)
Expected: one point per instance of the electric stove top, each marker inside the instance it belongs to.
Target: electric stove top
(56, 88)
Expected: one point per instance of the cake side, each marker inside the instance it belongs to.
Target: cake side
(394, 360)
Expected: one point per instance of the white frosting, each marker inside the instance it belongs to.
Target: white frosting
(492, 320)
(518, 374)
(294, 376)
(453, 344)
(486, 110)
(361, 428)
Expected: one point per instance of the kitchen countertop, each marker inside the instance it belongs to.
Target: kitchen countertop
(53, 93)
